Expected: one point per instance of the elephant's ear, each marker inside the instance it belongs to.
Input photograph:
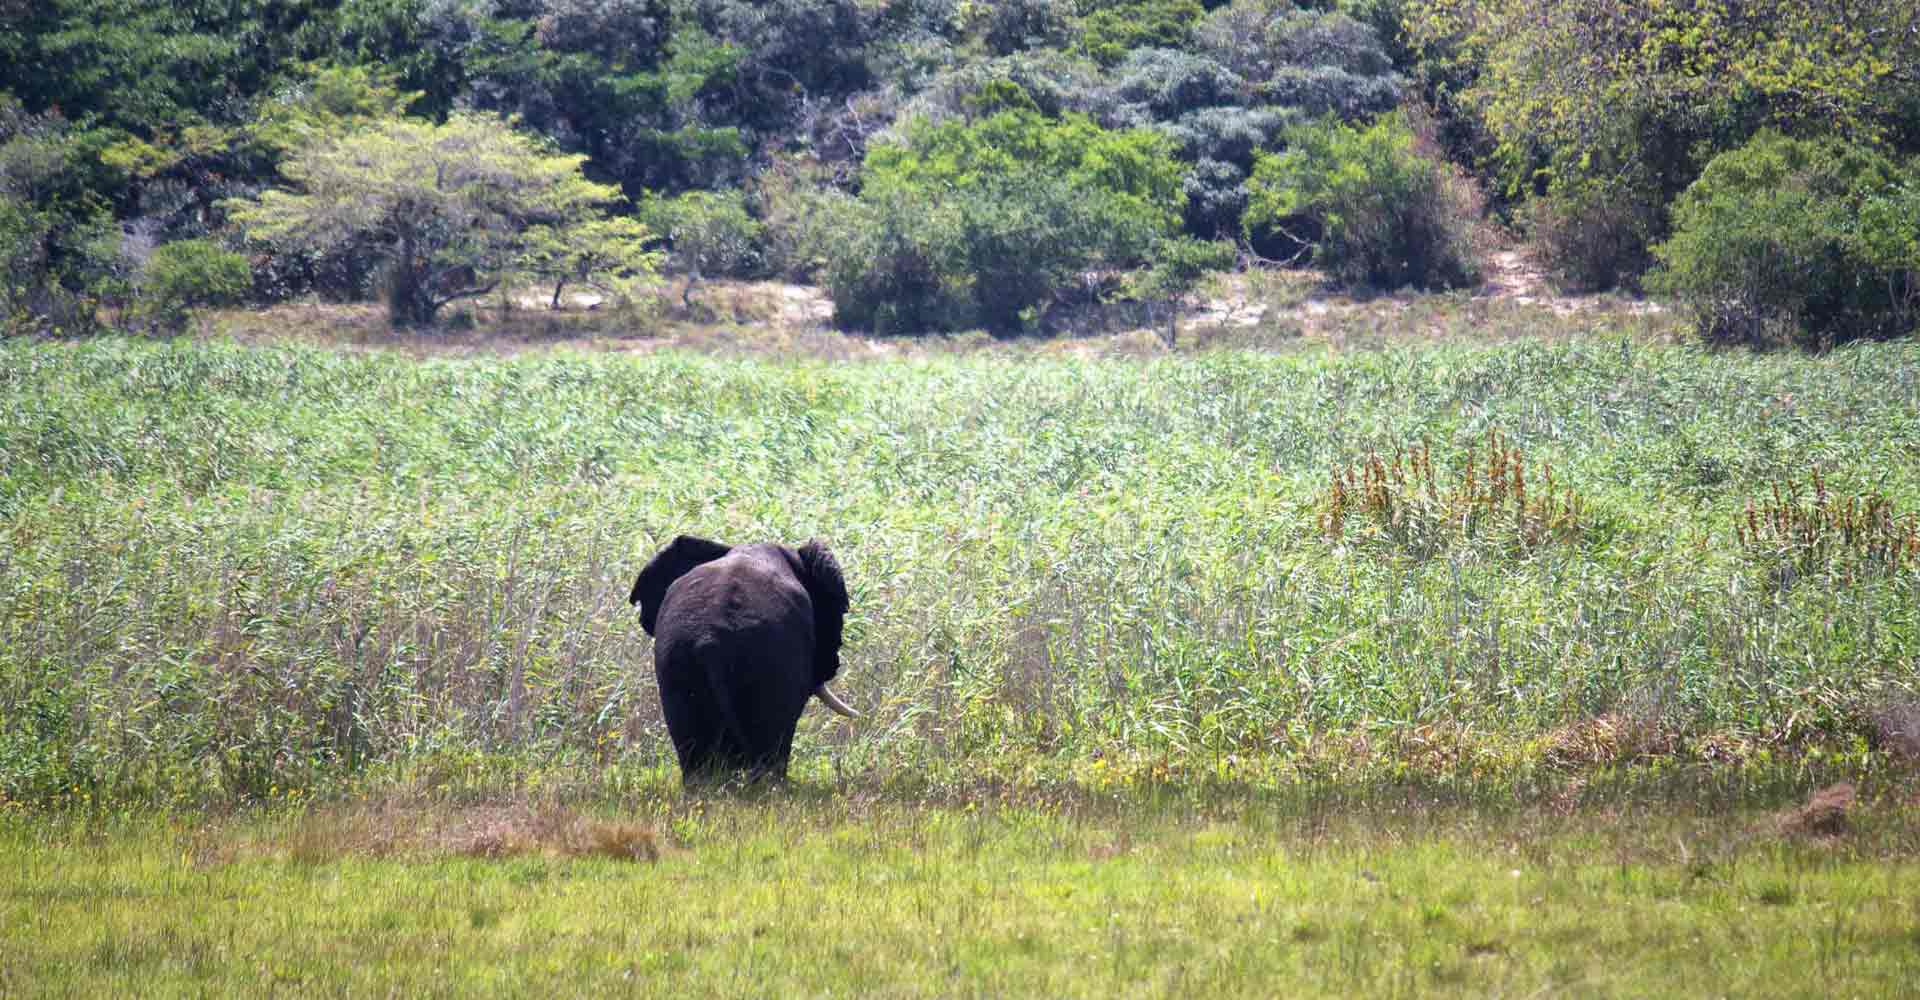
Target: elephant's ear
(827, 589)
(673, 562)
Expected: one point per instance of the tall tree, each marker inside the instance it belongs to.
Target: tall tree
(448, 205)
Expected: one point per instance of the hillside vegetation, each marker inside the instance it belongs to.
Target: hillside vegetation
(949, 165)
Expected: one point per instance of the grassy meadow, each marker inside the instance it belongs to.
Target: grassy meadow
(812, 895)
(1456, 666)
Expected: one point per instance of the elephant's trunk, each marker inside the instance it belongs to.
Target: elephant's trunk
(833, 701)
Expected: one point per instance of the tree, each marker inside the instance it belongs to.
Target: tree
(1388, 214)
(708, 232)
(1614, 106)
(1805, 240)
(981, 223)
(59, 248)
(605, 254)
(446, 205)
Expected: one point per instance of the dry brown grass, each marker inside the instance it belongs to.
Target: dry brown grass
(1892, 724)
(413, 831)
(1823, 815)
(1261, 310)
(1610, 738)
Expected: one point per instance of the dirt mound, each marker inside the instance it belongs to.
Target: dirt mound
(1824, 815)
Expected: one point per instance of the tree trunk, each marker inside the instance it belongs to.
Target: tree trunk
(409, 303)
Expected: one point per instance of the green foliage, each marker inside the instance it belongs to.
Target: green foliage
(1590, 238)
(1795, 240)
(1316, 63)
(806, 217)
(325, 100)
(993, 254)
(241, 568)
(708, 233)
(1180, 263)
(59, 248)
(189, 273)
(968, 224)
(1162, 84)
(444, 204)
(1621, 104)
(1009, 26)
(1007, 887)
(140, 65)
(608, 255)
(1109, 29)
(1388, 215)
(1134, 166)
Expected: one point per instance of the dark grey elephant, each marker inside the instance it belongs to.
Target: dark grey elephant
(742, 638)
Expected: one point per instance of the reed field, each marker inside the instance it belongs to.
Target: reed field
(1456, 667)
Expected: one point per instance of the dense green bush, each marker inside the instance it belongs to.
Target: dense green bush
(709, 233)
(1387, 214)
(188, 273)
(1810, 241)
(59, 248)
(1013, 25)
(965, 224)
(1592, 237)
(804, 218)
(1162, 84)
(1109, 29)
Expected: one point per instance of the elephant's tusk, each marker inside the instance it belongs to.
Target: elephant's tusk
(833, 701)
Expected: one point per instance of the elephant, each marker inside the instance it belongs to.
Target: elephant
(743, 636)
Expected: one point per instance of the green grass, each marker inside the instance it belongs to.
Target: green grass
(316, 672)
(844, 895)
(230, 572)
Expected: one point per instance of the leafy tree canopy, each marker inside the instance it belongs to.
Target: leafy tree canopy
(1582, 89)
(1134, 165)
(446, 204)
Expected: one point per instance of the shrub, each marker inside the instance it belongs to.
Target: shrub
(989, 255)
(1179, 263)
(59, 247)
(1335, 41)
(1168, 83)
(1013, 25)
(1593, 238)
(1052, 81)
(964, 224)
(1794, 240)
(1317, 91)
(1216, 197)
(188, 273)
(709, 234)
(197, 273)
(1388, 215)
(904, 271)
(1316, 63)
(1109, 29)
(806, 219)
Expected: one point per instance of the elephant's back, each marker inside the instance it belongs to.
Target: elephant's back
(742, 597)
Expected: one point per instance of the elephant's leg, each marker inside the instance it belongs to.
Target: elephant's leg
(693, 726)
(768, 703)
